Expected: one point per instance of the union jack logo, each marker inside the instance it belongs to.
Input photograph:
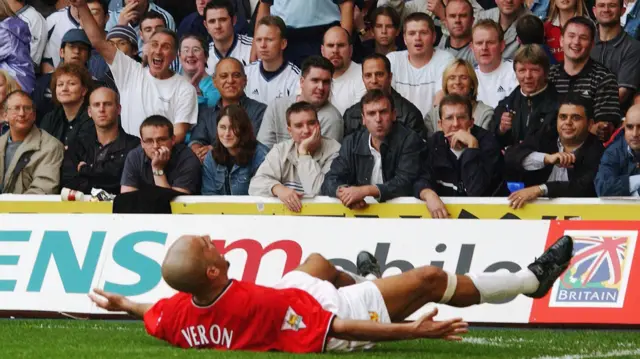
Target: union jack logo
(596, 260)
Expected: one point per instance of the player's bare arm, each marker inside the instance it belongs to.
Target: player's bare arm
(117, 303)
(95, 34)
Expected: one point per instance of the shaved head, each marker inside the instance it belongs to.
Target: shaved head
(632, 128)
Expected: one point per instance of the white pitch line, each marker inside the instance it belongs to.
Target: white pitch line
(611, 354)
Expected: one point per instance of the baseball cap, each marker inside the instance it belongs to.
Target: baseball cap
(75, 35)
(123, 32)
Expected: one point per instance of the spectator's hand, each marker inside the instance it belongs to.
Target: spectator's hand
(129, 14)
(311, 143)
(435, 206)
(505, 122)
(462, 139)
(160, 158)
(560, 159)
(519, 198)
(349, 196)
(439, 96)
(77, 3)
(435, 6)
(603, 130)
(201, 151)
(110, 301)
(291, 199)
(82, 163)
(359, 205)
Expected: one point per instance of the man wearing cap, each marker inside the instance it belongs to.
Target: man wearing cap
(124, 39)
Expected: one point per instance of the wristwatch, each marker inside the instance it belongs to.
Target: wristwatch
(158, 172)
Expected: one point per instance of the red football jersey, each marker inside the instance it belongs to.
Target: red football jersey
(552, 35)
(245, 316)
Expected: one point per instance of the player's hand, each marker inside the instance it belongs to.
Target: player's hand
(110, 301)
(519, 198)
(291, 199)
(426, 327)
(505, 122)
(435, 206)
(560, 159)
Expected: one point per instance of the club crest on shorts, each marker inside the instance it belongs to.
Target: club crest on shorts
(292, 321)
(374, 317)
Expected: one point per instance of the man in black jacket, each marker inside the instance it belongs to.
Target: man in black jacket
(531, 104)
(96, 158)
(376, 74)
(559, 160)
(379, 161)
(463, 159)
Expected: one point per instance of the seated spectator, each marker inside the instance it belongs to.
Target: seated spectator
(37, 27)
(125, 40)
(376, 74)
(531, 104)
(463, 159)
(530, 30)
(506, 14)
(496, 78)
(296, 168)
(459, 20)
(538, 8)
(580, 74)
(380, 161)
(619, 171)
(160, 161)
(386, 31)
(230, 80)
(315, 85)
(560, 11)
(96, 158)
(631, 19)
(132, 14)
(155, 90)
(559, 160)
(193, 61)
(459, 78)
(71, 87)
(272, 77)
(30, 159)
(7, 85)
(15, 55)
(150, 23)
(236, 155)
(219, 17)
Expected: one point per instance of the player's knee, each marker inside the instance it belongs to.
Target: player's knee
(315, 258)
(433, 277)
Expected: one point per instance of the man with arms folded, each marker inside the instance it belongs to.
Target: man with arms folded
(619, 172)
(381, 161)
(463, 159)
(296, 167)
(306, 313)
(155, 90)
(559, 160)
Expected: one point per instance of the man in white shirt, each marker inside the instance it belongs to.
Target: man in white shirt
(219, 19)
(133, 12)
(347, 87)
(417, 71)
(154, 90)
(37, 27)
(496, 78)
(271, 77)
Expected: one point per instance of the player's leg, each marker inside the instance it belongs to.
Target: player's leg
(318, 266)
(405, 293)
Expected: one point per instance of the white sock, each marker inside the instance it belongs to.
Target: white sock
(356, 278)
(370, 277)
(501, 286)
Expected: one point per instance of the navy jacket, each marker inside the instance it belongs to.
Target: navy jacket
(618, 163)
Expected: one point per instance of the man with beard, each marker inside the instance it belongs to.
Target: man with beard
(582, 75)
(459, 21)
(615, 49)
(506, 15)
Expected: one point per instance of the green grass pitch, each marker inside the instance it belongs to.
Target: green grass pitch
(127, 339)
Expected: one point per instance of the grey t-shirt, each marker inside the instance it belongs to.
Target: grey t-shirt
(620, 56)
(464, 53)
(182, 171)
(9, 152)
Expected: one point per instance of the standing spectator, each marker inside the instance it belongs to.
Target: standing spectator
(193, 61)
(560, 11)
(71, 85)
(14, 48)
(559, 160)
(496, 78)
(132, 14)
(386, 31)
(347, 86)
(37, 27)
(7, 85)
(307, 21)
(124, 39)
(272, 77)
(381, 161)
(376, 74)
(619, 171)
(160, 161)
(236, 155)
(417, 71)
(315, 86)
(459, 78)
(219, 17)
(631, 19)
(459, 21)
(150, 22)
(38, 156)
(146, 91)
(530, 30)
(506, 15)
(96, 158)
(580, 74)
(616, 50)
(296, 168)
(533, 103)
(230, 80)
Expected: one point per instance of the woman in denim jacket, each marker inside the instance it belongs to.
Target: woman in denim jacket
(235, 157)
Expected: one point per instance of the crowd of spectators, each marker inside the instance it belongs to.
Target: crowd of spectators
(351, 99)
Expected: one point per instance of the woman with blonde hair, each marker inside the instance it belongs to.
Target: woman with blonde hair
(15, 48)
(560, 11)
(460, 78)
(7, 85)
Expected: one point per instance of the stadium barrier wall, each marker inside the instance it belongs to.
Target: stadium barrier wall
(49, 262)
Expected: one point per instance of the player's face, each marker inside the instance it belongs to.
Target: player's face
(632, 130)
(269, 42)
(227, 133)
(316, 86)
(229, 79)
(454, 118)
(75, 53)
(336, 48)
(213, 257)
(192, 57)
(418, 37)
(219, 24)
(69, 89)
(375, 75)
(459, 82)
(378, 118)
(486, 46)
(148, 27)
(384, 32)
(608, 12)
(104, 108)
(161, 53)
(576, 42)
(302, 124)
(459, 19)
(530, 77)
(572, 123)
